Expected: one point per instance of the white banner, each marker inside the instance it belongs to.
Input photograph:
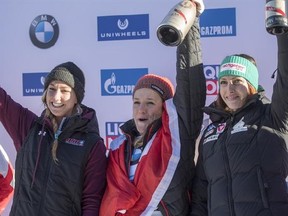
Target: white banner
(114, 42)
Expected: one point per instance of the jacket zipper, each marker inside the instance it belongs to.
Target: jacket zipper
(228, 171)
(50, 161)
(45, 185)
(164, 208)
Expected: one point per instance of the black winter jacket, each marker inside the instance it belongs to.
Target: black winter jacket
(243, 158)
(44, 187)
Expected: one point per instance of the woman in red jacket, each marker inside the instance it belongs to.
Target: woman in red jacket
(151, 165)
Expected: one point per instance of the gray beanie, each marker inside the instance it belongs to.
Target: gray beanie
(71, 74)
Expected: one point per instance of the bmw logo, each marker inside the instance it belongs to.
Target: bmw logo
(44, 31)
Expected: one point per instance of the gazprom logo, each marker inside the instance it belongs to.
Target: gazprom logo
(128, 27)
(218, 22)
(211, 75)
(120, 81)
(33, 83)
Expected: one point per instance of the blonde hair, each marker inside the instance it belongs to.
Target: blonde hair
(49, 115)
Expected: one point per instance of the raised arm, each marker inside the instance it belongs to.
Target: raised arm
(190, 92)
(279, 104)
(16, 119)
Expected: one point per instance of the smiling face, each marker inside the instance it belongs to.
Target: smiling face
(60, 99)
(234, 91)
(147, 107)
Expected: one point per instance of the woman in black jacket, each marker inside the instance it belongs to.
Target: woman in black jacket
(60, 168)
(243, 160)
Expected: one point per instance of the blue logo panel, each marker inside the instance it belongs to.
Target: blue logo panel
(218, 22)
(120, 81)
(129, 27)
(33, 83)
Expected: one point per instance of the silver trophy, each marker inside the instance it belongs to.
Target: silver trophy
(276, 16)
(174, 27)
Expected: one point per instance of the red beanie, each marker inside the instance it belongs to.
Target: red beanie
(161, 85)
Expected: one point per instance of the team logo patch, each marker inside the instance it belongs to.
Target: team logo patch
(75, 142)
(42, 133)
(209, 130)
(221, 127)
(239, 127)
(211, 138)
(233, 66)
(44, 31)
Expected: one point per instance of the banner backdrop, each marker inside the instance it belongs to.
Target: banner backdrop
(114, 43)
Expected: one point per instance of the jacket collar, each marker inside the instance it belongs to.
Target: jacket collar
(222, 115)
(129, 128)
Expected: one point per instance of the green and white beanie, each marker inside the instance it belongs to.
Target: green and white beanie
(239, 66)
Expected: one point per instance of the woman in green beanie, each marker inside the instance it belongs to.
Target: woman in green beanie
(243, 160)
